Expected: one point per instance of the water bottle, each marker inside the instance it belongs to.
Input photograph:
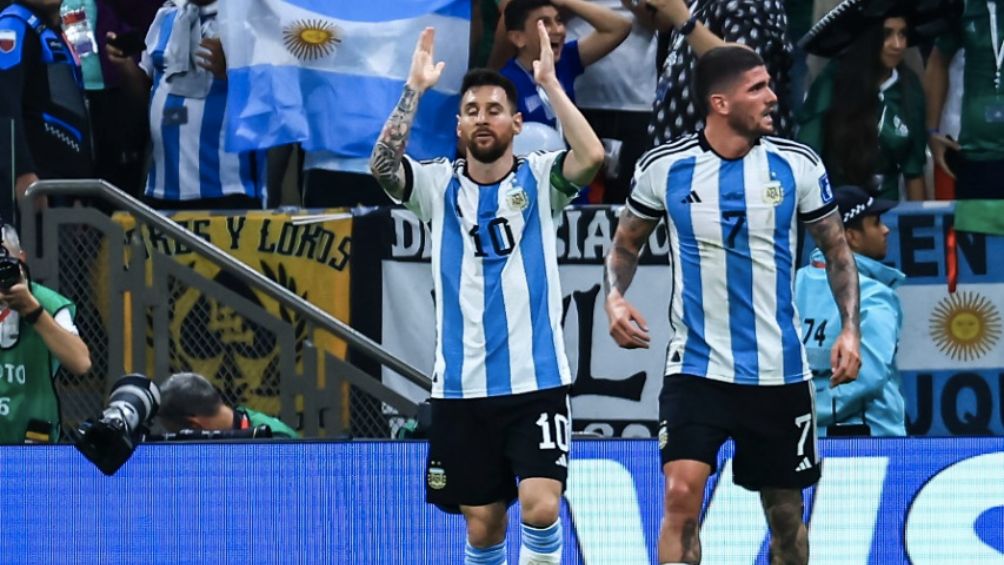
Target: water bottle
(78, 32)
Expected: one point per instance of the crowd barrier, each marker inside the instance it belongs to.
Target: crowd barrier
(924, 501)
(951, 356)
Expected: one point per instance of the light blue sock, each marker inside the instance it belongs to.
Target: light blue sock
(494, 555)
(541, 545)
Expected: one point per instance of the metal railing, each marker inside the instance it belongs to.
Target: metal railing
(62, 259)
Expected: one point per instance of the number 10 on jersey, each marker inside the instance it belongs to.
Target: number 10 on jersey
(499, 236)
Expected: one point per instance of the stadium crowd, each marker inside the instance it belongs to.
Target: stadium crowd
(626, 64)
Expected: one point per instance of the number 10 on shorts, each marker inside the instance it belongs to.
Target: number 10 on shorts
(561, 431)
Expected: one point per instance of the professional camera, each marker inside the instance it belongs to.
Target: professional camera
(109, 441)
(10, 268)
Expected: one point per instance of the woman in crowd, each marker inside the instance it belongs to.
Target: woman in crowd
(865, 114)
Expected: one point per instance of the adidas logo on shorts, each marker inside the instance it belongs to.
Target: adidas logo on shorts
(804, 465)
(562, 461)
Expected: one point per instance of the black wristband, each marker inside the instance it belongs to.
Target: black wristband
(689, 26)
(32, 317)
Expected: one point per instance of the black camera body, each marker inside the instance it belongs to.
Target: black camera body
(10, 271)
(109, 440)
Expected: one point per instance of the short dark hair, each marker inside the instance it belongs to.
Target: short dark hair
(517, 11)
(489, 77)
(186, 395)
(718, 69)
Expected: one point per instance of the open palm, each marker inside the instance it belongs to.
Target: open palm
(543, 68)
(424, 73)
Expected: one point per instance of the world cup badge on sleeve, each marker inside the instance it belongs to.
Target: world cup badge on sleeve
(825, 190)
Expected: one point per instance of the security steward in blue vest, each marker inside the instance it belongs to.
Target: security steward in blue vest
(41, 90)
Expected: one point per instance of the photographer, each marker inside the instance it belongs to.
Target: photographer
(37, 335)
(189, 401)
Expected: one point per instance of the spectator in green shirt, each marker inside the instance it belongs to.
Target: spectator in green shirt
(980, 164)
(870, 131)
(189, 401)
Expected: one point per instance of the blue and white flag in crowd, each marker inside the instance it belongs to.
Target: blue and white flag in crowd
(328, 73)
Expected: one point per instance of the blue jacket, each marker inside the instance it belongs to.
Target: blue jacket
(876, 393)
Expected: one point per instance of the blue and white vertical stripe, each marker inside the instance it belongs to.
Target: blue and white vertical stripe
(494, 263)
(337, 98)
(189, 160)
(733, 228)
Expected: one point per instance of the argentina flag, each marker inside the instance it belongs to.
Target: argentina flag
(327, 73)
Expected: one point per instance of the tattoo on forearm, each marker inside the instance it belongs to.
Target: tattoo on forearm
(385, 161)
(622, 260)
(619, 269)
(841, 270)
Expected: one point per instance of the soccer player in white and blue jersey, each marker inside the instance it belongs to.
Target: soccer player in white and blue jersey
(731, 197)
(500, 385)
(190, 169)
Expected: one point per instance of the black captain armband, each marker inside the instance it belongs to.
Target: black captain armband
(558, 180)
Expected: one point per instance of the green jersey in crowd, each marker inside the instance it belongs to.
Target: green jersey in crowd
(902, 137)
(982, 131)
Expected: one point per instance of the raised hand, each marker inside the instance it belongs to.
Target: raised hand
(424, 73)
(543, 68)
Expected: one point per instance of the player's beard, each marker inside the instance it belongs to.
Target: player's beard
(493, 152)
(753, 129)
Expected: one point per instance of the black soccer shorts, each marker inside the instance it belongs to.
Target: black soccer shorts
(774, 429)
(479, 447)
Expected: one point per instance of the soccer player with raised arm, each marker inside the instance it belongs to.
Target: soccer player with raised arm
(732, 196)
(500, 413)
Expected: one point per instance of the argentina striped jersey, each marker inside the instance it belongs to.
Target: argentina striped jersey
(732, 229)
(189, 161)
(495, 271)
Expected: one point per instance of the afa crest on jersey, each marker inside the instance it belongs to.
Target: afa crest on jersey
(773, 193)
(517, 199)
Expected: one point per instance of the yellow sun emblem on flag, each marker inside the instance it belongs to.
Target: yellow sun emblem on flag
(965, 326)
(311, 39)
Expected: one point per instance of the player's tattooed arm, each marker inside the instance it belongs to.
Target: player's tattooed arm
(841, 270)
(385, 161)
(627, 325)
(622, 260)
